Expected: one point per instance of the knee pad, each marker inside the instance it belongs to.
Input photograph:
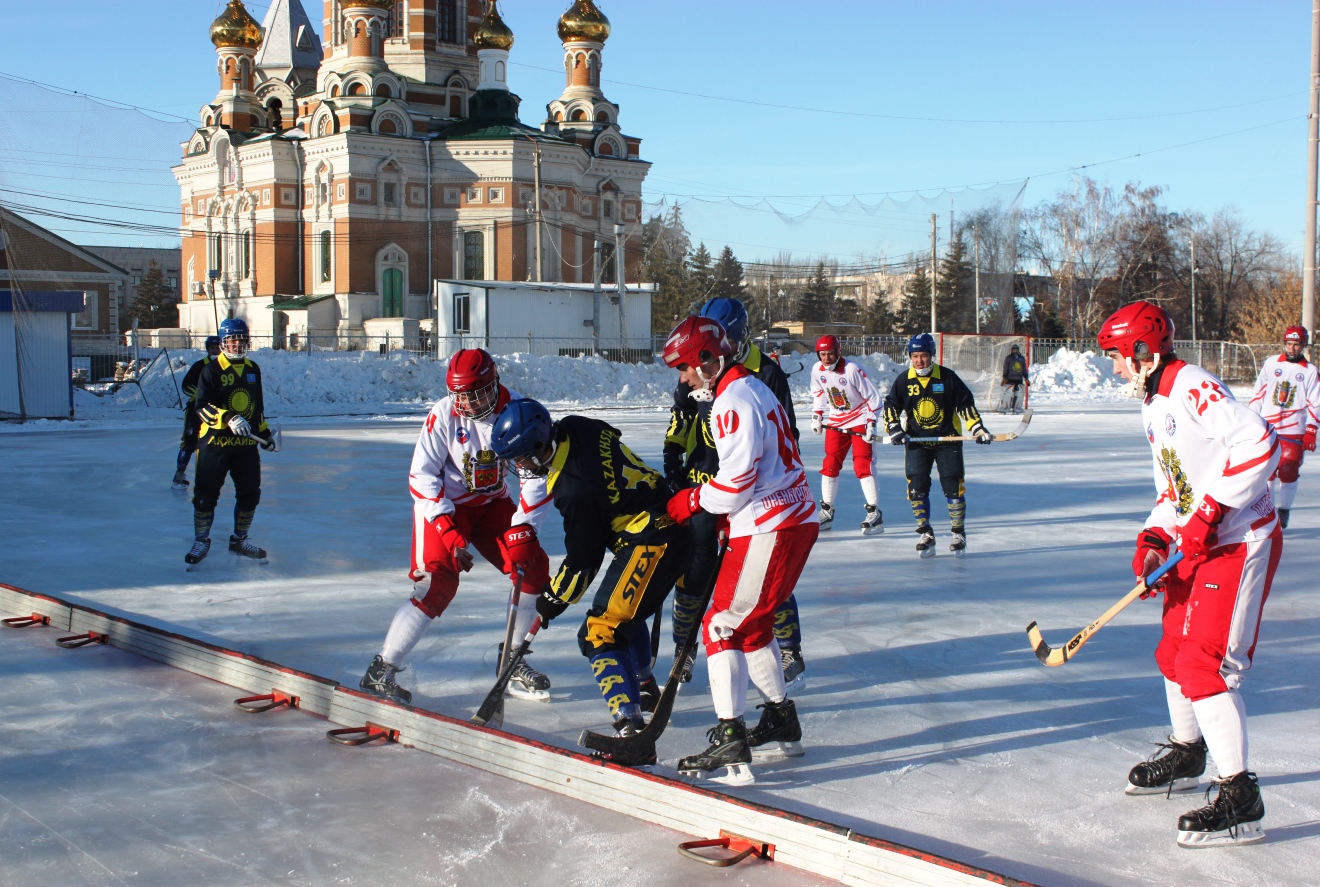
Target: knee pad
(953, 487)
(444, 586)
(918, 488)
(1289, 471)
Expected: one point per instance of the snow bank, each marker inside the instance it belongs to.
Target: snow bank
(1071, 376)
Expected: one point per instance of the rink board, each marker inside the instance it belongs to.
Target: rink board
(815, 846)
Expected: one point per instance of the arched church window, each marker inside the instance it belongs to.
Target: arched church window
(325, 256)
(357, 89)
(602, 117)
(274, 109)
(334, 91)
(579, 114)
(607, 150)
(474, 255)
(387, 126)
(384, 91)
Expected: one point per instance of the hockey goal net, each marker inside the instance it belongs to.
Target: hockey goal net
(979, 361)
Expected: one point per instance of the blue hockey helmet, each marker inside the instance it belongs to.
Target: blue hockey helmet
(732, 316)
(921, 342)
(521, 433)
(234, 338)
(211, 342)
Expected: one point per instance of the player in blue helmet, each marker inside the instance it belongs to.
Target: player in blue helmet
(234, 338)
(690, 459)
(191, 424)
(610, 501)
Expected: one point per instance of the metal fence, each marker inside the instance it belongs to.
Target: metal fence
(1230, 361)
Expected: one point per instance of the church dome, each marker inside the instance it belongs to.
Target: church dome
(493, 33)
(584, 21)
(235, 27)
(385, 5)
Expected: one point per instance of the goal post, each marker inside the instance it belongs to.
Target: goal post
(979, 361)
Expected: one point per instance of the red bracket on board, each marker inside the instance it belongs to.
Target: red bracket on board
(362, 735)
(740, 847)
(74, 641)
(273, 699)
(25, 621)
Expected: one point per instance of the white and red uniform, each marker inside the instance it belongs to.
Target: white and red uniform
(1206, 443)
(844, 399)
(762, 486)
(1287, 395)
(455, 473)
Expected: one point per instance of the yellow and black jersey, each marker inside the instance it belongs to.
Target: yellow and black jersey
(937, 405)
(225, 387)
(190, 380)
(609, 499)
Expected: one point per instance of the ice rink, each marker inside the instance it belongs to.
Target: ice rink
(927, 719)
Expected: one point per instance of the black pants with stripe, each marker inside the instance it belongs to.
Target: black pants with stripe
(634, 588)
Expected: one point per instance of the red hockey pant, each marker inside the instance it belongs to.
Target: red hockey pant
(1290, 460)
(757, 575)
(836, 446)
(483, 526)
(1211, 623)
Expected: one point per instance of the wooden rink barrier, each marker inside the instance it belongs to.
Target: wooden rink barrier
(812, 845)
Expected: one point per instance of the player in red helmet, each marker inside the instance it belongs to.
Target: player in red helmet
(846, 406)
(1213, 461)
(463, 498)
(1287, 394)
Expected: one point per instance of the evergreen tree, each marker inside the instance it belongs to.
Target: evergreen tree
(156, 305)
(879, 319)
(914, 316)
(701, 278)
(665, 246)
(728, 277)
(814, 305)
(955, 291)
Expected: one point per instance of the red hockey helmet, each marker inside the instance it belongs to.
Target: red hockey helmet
(827, 343)
(696, 340)
(475, 383)
(1140, 330)
(1296, 334)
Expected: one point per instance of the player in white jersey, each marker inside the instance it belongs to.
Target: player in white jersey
(463, 497)
(762, 487)
(1287, 394)
(1213, 460)
(846, 406)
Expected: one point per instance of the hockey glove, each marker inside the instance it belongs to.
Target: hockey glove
(982, 436)
(269, 443)
(239, 426)
(868, 433)
(897, 436)
(683, 504)
(1308, 440)
(210, 415)
(817, 423)
(1198, 536)
(549, 607)
(520, 548)
(1152, 551)
(454, 542)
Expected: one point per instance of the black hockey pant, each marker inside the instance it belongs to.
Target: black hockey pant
(243, 464)
(948, 458)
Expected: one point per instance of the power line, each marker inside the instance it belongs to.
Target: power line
(114, 103)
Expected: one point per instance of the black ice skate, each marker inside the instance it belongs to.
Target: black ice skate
(795, 668)
(1283, 518)
(958, 544)
(240, 546)
(526, 682)
(650, 694)
(728, 749)
(778, 732)
(180, 481)
(874, 524)
(926, 542)
(1234, 817)
(642, 757)
(689, 662)
(1179, 769)
(826, 516)
(379, 681)
(199, 550)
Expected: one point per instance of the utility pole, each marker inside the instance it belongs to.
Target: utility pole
(1194, 285)
(1312, 154)
(933, 260)
(595, 296)
(618, 276)
(976, 258)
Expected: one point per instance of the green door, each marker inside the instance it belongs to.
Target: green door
(391, 291)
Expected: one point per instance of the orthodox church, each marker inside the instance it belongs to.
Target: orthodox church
(333, 178)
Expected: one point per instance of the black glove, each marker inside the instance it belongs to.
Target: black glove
(548, 607)
(897, 436)
(982, 436)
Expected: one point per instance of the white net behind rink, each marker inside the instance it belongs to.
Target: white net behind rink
(979, 361)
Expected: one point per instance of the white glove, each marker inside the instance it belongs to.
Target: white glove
(869, 433)
(815, 423)
(239, 426)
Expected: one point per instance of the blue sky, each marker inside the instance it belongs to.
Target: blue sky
(1063, 84)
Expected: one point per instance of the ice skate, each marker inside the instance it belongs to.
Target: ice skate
(926, 542)
(199, 550)
(650, 694)
(180, 481)
(689, 662)
(1179, 769)
(874, 524)
(958, 544)
(1283, 518)
(644, 758)
(826, 516)
(379, 681)
(240, 546)
(728, 749)
(526, 682)
(778, 734)
(795, 668)
(1234, 817)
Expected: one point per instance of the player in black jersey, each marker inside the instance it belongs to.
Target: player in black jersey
(937, 404)
(232, 414)
(191, 423)
(610, 501)
(690, 459)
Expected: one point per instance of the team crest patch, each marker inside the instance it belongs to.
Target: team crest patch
(928, 413)
(1150, 433)
(937, 387)
(483, 474)
(1180, 489)
(1170, 426)
(1278, 371)
(1285, 393)
(838, 399)
(252, 378)
(461, 434)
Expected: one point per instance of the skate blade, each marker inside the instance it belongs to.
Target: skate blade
(961, 552)
(826, 525)
(873, 531)
(929, 552)
(796, 685)
(772, 751)
(734, 774)
(529, 695)
(179, 488)
(1186, 784)
(192, 568)
(1246, 833)
(244, 557)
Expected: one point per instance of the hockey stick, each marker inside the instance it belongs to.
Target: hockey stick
(655, 636)
(646, 737)
(514, 595)
(494, 702)
(1058, 656)
(1011, 435)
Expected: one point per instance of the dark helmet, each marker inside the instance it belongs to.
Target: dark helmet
(522, 430)
(1016, 348)
(921, 342)
(211, 342)
(731, 315)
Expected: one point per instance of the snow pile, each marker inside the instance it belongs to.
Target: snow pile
(1075, 376)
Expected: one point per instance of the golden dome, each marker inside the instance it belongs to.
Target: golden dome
(386, 5)
(584, 21)
(493, 33)
(235, 27)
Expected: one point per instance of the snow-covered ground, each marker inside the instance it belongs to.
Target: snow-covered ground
(928, 721)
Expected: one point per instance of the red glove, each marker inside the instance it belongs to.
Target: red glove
(454, 541)
(1152, 552)
(520, 548)
(1308, 440)
(1197, 536)
(683, 504)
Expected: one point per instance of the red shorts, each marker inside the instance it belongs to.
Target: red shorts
(483, 526)
(836, 446)
(757, 575)
(1211, 623)
(1290, 460)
